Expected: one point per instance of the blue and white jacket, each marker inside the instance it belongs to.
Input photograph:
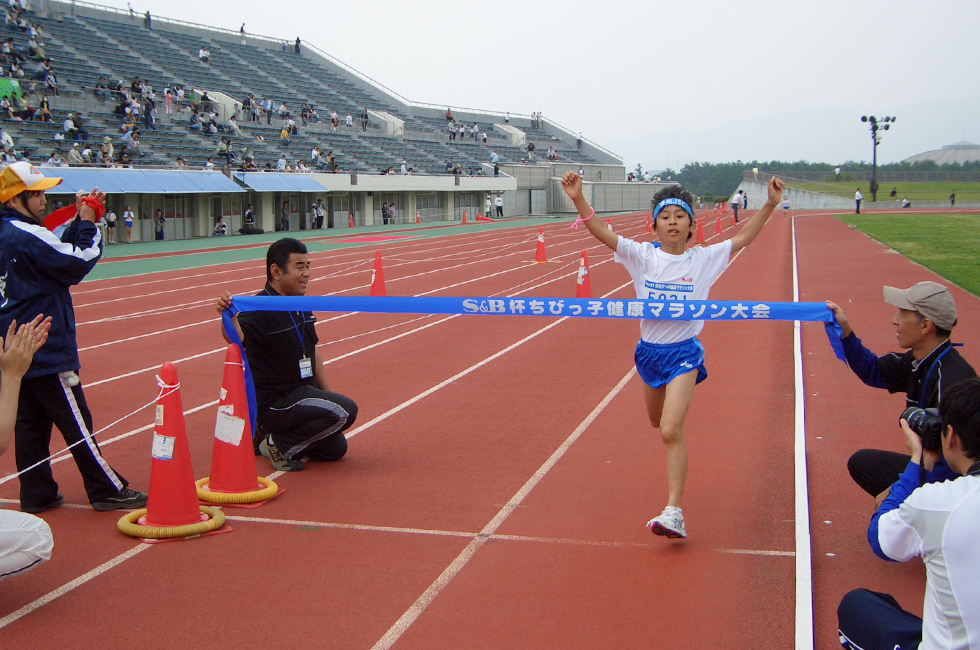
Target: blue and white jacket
(36, 271)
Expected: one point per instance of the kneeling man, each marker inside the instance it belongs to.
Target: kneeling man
(296, 409)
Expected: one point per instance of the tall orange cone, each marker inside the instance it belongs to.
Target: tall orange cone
(539, 254)
(718, 225)
(583, 286)
(609, 224)
(464, 216)
(173, 495)
(700, 236)
(649, 228)
(378, 277)
(232, 457)
(350, 220)
(418, 221)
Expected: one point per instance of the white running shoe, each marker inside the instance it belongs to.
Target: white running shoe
(670, 523)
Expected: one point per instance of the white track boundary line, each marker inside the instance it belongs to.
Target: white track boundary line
(77, 582)
(804, 576)
(405, 621)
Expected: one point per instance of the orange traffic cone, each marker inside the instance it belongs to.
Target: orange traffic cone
(583, 286)
(173, 498)
(350, 220)
(609, 224)
(464, 216)
(172, 510)
(233, 480)
(718, 226)
(480, 217)
(649, 228)
(539, 254)
(378, 277)
(700, 236)
(418, 221)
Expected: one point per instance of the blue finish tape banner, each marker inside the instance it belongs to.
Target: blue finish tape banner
(706, 310)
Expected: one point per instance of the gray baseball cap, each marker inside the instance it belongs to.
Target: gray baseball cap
(930, 299)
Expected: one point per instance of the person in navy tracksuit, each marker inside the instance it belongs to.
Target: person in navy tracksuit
(36, 271)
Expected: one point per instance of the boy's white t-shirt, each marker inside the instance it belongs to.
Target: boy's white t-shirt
(661, 276)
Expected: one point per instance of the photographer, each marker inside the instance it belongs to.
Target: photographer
(926, 315)
(939, 522)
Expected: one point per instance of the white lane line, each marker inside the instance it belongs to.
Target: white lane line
(423, 601)
(77, 582)
(748, 551)
(804, 578)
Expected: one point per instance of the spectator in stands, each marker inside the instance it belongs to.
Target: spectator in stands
(136, 86)
(209, 165)
(313, 116)
(404, 169)
(449, 116)
(79, 126)
(334, 120)
(131, 140)
(462, 132)
(8, 109)
(204, 54)
(102, 89)
(281, 163)
(496, 169)
(349, 122)
(296, 50)
(224, 149)
(315, 153)
(284, 137)
(220, 228)
(35, 49)
(483, 137)
(282, 111)
(290, 125)
(331, 162)
(158, 223)
(67, 127)
(55, 159)
(147, 21)
(452, 131)
(267, 107)
(74, 156)
(473, 132)
(449, 166)
(530, 151)
(232, 126)
(179, 98)
(6, 140)
(364, 120)
(124, 161)
(494, 157)
(51, 82)
(149, 115)
(195, 122)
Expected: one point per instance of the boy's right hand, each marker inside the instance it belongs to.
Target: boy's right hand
(572, 184)
(18, 347)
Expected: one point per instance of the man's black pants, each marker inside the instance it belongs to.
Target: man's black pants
(46, 401)
(875, 470)
(310, 422)
(868, 620)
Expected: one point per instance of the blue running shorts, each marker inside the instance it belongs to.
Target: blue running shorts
(659, 364)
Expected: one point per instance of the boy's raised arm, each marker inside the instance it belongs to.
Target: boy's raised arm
(754, 225)
(572, 184)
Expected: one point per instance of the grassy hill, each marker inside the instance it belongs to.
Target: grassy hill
(915, 191)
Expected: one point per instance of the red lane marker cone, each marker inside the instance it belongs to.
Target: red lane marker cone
(609, 224)
(464, 216)
(700, 237)
(378, 277)
(583, 285)
(173, 495)
(649, 228)
(350, 220)
(418, 221)
(232, 457)
(539, 254)
(718, 225)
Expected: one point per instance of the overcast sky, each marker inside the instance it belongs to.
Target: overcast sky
(662, 83)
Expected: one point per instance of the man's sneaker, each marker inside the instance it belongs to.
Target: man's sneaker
(260, 435)
(58, 500)
(124, 499)
(280, 462)
(670, 523)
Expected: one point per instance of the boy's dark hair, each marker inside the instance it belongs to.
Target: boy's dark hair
(279, 253)
(674, 192)
(960, 407)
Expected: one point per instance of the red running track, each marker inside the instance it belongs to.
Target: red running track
(498, 479)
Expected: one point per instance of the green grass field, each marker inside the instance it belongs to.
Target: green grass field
(946, 244)
(925, 191)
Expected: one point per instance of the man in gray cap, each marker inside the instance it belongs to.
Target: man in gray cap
(924, 322)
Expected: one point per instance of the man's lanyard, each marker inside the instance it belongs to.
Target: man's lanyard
(305, 363)
(925, 384)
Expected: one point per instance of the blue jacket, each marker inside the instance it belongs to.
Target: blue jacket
(36, 271)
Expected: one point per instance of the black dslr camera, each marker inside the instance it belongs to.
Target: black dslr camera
(926, 423)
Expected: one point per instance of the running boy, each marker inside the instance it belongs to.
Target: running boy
(669, 356)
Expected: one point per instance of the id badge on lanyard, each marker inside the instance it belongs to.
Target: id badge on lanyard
(305, 367)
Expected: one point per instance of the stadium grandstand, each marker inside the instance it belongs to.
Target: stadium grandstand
(201, 122)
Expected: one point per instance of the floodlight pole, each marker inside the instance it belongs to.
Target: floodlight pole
(876, 125)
